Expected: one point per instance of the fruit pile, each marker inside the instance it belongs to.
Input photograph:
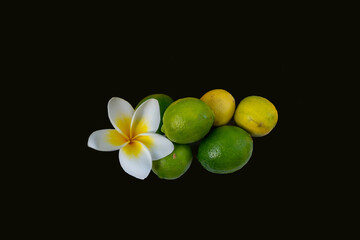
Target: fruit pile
(222, 148)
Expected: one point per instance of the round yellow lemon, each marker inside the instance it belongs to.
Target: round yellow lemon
(222, 103)
(257, 115)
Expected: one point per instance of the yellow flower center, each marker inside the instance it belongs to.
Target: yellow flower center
(132, 149)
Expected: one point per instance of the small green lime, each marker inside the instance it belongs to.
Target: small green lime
(187, 120)
(225, 149)
(175, 164)
(164, 101)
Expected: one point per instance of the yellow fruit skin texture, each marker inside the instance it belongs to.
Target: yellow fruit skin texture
(257, 115)
(222, 103)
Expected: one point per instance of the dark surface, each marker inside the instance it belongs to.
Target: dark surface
(187, 71)
(67, 65)
(277, 182)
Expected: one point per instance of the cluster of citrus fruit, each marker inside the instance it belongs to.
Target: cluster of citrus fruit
(223, 148)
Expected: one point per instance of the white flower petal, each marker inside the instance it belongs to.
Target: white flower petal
(120, 114)
(146, 118)
(158, 145)
(106, 140)
(135, 159)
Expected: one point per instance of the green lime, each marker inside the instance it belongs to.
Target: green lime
(164, 102)
(175, 164)
(225, 149)
(187, 120)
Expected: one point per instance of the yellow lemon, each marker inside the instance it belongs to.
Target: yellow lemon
(257, 115)
(222, 103)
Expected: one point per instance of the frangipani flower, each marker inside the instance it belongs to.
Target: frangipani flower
(134, 135)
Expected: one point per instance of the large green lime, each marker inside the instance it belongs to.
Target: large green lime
(175, 164)
(187, 120)
(164, 101)
(225, 149)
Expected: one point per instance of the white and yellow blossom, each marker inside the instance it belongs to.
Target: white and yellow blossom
(134, 135)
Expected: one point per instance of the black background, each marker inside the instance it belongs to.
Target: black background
(90, 60)
(183, 65)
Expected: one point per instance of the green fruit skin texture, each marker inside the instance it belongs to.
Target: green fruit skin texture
(164, 102)
(225, 149)
(184, 123)
(175, 164)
